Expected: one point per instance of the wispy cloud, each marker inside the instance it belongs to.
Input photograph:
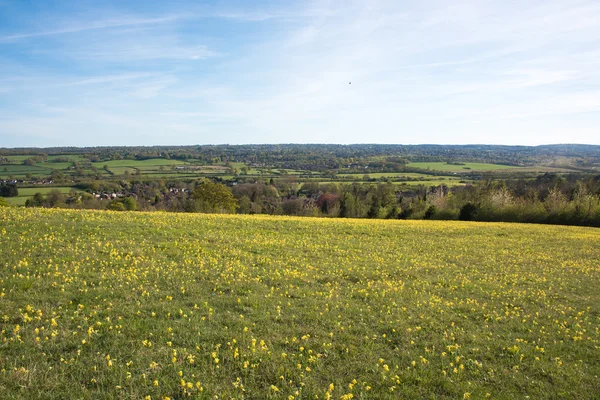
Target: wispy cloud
(140, 50)
(113, 23)
(106, 79)
(335, 71)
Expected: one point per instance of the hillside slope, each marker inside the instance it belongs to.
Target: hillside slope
(128, 305)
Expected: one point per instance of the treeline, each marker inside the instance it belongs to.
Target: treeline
(200, 196)
(321, 157)
(546, 199)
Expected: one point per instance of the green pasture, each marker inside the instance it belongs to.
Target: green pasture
(28, 192)
(442, 166)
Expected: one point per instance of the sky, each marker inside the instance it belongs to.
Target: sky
(108, 73)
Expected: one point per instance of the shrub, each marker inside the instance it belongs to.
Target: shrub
(468, 212)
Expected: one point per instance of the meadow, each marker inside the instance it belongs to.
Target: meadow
(106, 305)
(29, 192)
(462, 167)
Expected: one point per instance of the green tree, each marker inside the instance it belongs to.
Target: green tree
(468, 212)
(245, 205)
(130, 204)
(9, 190)
(116, 205)
(213, 197)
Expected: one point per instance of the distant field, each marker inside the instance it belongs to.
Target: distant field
(137, 163)
(129, 305)
(55, 165)
(16, 168)
(26, 193)
(43, 189)
(21, 170)
(434, 182)
(392, 175)
(16, 159)
(442, 166)
(122, 170)
(382, 175)
(251, 171)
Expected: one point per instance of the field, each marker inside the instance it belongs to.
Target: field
(388, 175)
(463, 167)
(427, 182)
(109, 305)
(15, 168)
(26, 193)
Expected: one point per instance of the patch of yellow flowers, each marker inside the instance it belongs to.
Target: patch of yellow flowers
(161, 306)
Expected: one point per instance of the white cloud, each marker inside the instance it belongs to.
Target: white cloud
(91, 26)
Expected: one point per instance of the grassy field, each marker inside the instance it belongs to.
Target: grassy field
(387, 175)
(138, 163)
(428, 182)
(435, 182)
(109, 305)
(20, 170)
(16, 168)
(442, 166)
(166, 168)
(26, 193)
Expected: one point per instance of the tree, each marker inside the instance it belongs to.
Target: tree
(56, 175)
(116, 205)
(9, 190)
(430, 212)
(36, 201)
(214, 198)
(130, 204)
(467, 212)
(54, 199)
(245, 205)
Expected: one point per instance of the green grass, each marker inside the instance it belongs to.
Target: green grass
(122, 170)
(26, 193)
(442, 166)
(428, 182)
(386, 175)
(171, 175)
(138, 163)
(109, 305)
(16, 159)
(9, 169)
(30, 191)
(40, 168)
(16, 201)
(55, 165)
(435, 182)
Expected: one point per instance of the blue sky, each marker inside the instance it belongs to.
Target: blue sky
(93, 73)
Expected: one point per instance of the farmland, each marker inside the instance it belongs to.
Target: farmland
(461, 167)
(26, 193)
(153, 305)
